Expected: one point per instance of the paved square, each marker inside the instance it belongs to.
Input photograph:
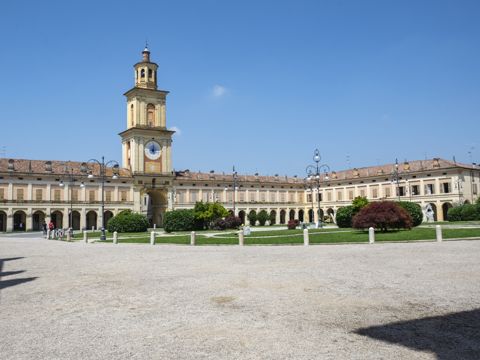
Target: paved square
(104, 301)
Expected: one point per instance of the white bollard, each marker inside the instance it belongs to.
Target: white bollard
(192, 238)
(115, 237)
(154, 226)
(438, 230)
(241, 239)
(306, 240)
(48, 234)
(371, 235)
(152, 238)
(93, 228)
(85, 236)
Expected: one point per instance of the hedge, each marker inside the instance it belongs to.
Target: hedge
(415, 211)
(127, 221)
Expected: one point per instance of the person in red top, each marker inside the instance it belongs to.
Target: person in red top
(51, 226)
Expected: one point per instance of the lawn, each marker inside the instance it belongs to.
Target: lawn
(317, 236)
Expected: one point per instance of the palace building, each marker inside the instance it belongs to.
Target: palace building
(76, 194)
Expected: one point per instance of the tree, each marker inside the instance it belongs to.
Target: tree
(414, 210)
(272, 218)
(262, 217)
(382, 215)
(358, 203)
(455, 213)
(252, 217)
(344, 216)
(207, 213)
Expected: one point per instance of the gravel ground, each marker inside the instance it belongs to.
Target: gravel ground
(63, 300)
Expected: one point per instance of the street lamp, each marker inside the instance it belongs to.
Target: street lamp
(314, 175)
(396, 177)
(234, 190)
(71, 179)
(307, 184)
(103, 175)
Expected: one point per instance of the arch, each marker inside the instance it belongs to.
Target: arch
(150, 73)
(322, 215)
(331, 215)
(19, 220)
(273, 217)
(301, 215)
(241, 215)
(151, 115)
(57, 219)
(91, 220)
(142, 73)
(291, 215)
(466, 202)
(107, 215)
(445, 207)
(75, 220)
(310, 216)
(3, 221)
(434, 208)
(283, 214)
(38, 219)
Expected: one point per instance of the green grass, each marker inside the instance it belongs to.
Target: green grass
(285, 237)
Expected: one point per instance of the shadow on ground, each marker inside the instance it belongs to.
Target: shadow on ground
(451, 336)
(11, 282)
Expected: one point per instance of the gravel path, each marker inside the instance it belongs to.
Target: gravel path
(131, 301)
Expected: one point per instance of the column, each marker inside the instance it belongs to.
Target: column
(99, 218)
(66, 217)
(10, 191)
(29, 219)
(9, 219)
(83, 216)
(49, 193)
(29, 192)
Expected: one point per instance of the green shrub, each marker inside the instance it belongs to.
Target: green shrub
(179, 220)
(207, 213)
(262, 217)
(455, 213)
(252, 217)
(344, 216)
(469, 212)
(358, 203)
(415, 211)
(127, 221)
(272, 218)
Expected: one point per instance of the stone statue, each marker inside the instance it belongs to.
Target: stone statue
(429, 213)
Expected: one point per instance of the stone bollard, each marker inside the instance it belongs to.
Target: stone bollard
(69, 235)
(48, 234)
(152, 238)
(192, 238)
(306, 240)
(115, 237)
(85, 236)
(93, 228)
(241, 239)
(438, 230)
(371, 235)
(154, 226)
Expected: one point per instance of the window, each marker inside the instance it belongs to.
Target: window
(38, 194)
(253, 196)
(282, 196)
(415, 190)
(56, 195)
(362, 192)
(445, 187)
(350, 194)
(123, 195)
(273, 197)
(193, 196)
(20, 194)
(339, 195)
(132, 123)
(309, 197)
(241, 196)
(150, 73)
(429, 189)
(142, 73)
(108, 196)
(387, 192)
(475, 190)
(74, 195)
(229, 195)
(151, 115)
(180, 197)
(91, 195)
(2, 194)
(263, 196)
(374, 193)
(291, 197)
(329, 196)
(401, 191)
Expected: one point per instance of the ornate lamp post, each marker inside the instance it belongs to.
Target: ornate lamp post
(395, 178)
(70, 178)
(234, 189)
(103, 175)
(307, 184)
(314, 175)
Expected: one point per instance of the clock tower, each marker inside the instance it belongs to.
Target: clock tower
(146, 143)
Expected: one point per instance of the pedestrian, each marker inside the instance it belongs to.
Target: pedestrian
(51, 225)
(44, 227)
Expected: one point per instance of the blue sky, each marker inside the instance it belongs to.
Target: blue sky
(258, 84)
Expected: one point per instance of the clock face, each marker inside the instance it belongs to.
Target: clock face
(152, 150)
